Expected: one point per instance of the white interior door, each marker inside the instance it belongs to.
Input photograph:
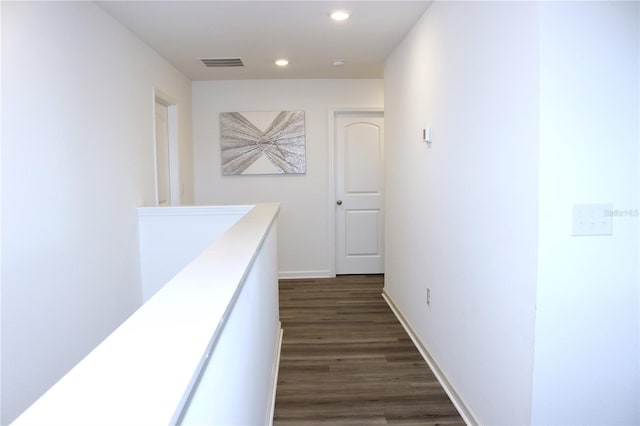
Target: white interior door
(163, 191)
(359, 140)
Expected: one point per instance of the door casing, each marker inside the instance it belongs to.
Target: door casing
(331, 199)
(175, 189)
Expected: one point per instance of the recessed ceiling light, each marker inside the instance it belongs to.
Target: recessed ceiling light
(340, 15)
(338, 62)
(282, 62)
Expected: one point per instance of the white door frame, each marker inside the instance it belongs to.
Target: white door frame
(333, 111)
(174, 165)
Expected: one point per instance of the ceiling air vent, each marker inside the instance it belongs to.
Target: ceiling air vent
(222, 62)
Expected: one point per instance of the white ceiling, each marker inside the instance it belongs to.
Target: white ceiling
(259, 32)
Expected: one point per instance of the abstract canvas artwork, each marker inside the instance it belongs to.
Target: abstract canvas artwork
(262, 142)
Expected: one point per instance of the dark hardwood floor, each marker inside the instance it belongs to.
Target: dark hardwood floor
(346, 359)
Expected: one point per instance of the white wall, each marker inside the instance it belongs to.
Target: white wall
(220, 309)
(77, 158)
(171, 237)
(1, 411)
(462, 215)
(534, 108)
(586, 355)
(237, 385)
(304, 231)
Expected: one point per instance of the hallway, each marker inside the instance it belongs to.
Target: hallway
(347, 360)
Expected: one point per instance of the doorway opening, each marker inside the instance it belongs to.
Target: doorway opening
(165, 136)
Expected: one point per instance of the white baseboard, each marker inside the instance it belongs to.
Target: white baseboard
(457, 401)
(289, 275)
(274, 378)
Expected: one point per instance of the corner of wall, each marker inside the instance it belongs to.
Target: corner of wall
(587, 308)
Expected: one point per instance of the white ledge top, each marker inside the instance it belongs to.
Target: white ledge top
(143, 372)
(192, 210)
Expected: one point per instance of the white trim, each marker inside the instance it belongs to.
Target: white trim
(155, 150)
(464, 411)
(274, 377)
(1, 363)
(288, 275)
(174, 162)
(193, 210)
(331, 231)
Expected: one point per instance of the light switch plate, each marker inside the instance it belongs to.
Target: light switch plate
(592, 219)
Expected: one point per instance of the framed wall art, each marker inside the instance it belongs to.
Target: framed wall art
(259, 143)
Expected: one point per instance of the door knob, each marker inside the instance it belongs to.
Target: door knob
(339, 202)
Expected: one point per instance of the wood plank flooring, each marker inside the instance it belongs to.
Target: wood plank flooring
(346, 360)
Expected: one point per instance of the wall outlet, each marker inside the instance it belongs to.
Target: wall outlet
(428, 297)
